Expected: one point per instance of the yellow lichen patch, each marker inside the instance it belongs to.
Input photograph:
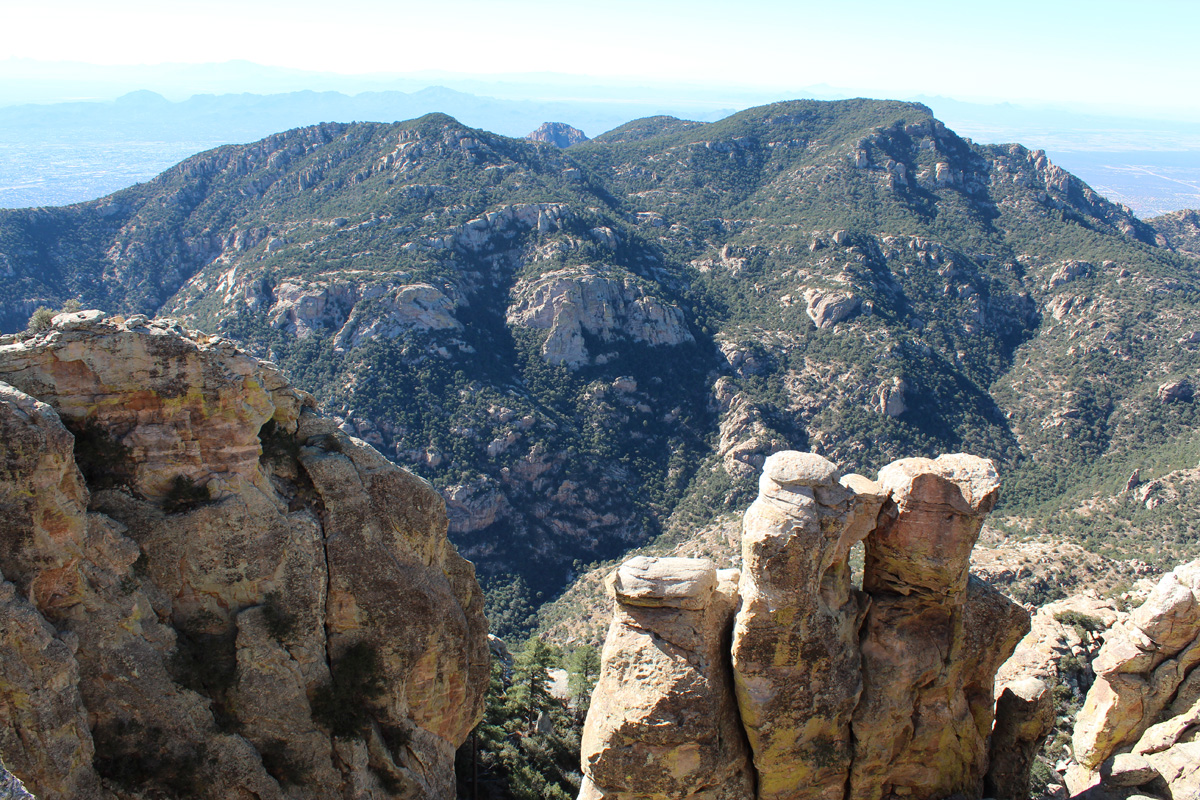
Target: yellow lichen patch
(59, 588)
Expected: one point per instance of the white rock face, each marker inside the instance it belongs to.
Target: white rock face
(828, 308)
(598, 300)
(386, 312)
(302, 308)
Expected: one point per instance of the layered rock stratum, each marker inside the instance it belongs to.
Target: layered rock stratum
(880, 691)
(209, 590)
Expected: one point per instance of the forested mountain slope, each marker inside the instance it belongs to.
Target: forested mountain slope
(584, 348)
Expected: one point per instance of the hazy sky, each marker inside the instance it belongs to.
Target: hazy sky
(1120, 54)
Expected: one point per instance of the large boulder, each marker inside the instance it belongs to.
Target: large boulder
(1144, 707)
(1146, 659)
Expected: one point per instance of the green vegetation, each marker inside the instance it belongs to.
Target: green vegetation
(964, 299)
(1085, 625)
(282, 764)
(527, 747)
(281, 623)
(185, 495)
(138, 758)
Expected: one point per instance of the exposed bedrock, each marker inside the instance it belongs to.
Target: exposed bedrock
(879, 692)
(1144, 708)
(198, 569)
(796, 659)
(933, 638)
(663, 721)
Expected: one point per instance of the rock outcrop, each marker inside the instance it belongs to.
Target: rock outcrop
(200, 569)
(933, 639)
(663, 720)
(1146, 698)
(883, 691)
(828, 308)
(1024, 716)
(796, 658)
(559, 134)
(599, 301)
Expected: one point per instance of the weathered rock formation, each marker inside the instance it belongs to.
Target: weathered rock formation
(1024, 717)
(1141, 719)
(200, 569)
(933, 638)
(664, 721)
(796, 659)
(600, 301)
(880, 692)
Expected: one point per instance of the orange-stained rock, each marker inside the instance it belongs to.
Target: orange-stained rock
(933, 638)
(796, 660)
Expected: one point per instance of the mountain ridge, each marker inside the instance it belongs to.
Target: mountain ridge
(584, 348)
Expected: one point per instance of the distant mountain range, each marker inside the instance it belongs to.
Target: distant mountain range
(585, 347)
(54, 153)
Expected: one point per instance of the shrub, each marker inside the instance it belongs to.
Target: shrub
(1084, 624)
(282, 764)
(281, 623)
(40, 320)
(277, 444)
(135, 757)
(185, 495)
(345, 705)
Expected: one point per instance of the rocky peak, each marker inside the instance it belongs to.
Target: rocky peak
(841, 691)
(199, 569)
(559, 134)
(1179, 230)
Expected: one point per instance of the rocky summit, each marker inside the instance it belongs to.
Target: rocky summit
(584, 348)
(209, 589)
(788, 681)
(559, 134)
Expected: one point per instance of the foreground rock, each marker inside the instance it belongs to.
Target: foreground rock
(201, 570)
(1024, 717)
(663, 720)
(1142, 715)
(796, 658)
(933, 638)
(881, 692)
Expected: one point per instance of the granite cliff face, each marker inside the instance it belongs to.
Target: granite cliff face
(883, 691)
(559, 134)
(199, 570)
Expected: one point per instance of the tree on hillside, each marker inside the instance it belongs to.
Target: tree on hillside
(583, 670)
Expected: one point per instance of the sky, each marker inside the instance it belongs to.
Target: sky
(1120, 56)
